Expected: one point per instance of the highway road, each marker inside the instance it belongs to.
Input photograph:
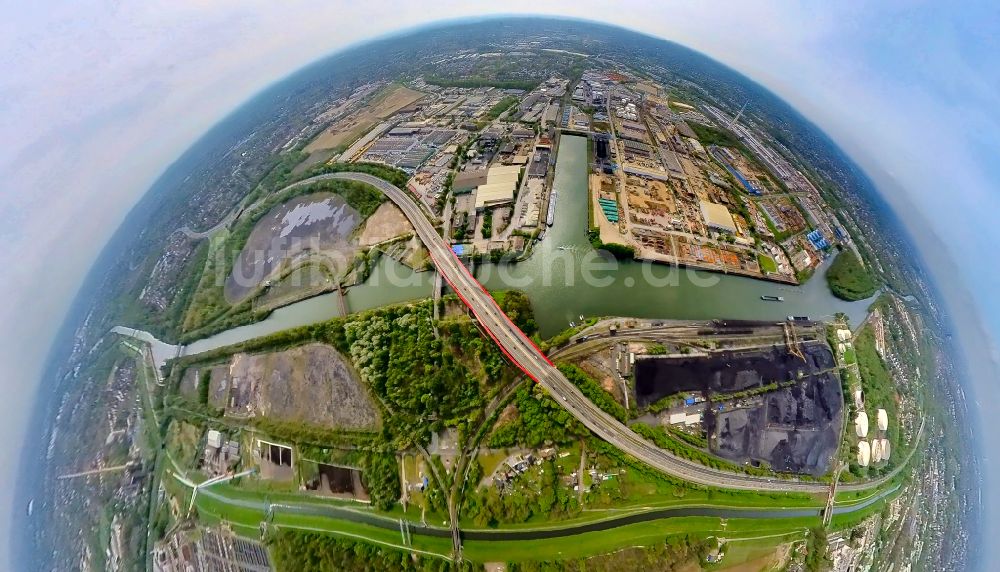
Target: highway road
(523, 353)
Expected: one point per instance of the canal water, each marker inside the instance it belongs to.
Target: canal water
(390, 283)
(558, 531)
(565, 279)
(640, 289)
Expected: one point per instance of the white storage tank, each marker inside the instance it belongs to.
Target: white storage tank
(861, 424)
(864, 453)
(876, 450)
(885, 449)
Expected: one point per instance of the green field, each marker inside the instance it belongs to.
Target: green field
(767, 264)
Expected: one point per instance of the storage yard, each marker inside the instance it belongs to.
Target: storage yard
(762, 394)
(360, 112)
(683, 191)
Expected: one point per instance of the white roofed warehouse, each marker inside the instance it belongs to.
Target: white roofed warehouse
(500, 186)
(717, 217)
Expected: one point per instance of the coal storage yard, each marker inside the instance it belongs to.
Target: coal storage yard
(794, 428)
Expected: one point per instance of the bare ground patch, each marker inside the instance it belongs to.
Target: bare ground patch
(410, 252)
(311, 384)
(302, 282)
(386, 223)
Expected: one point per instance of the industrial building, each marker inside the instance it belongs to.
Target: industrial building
(467, 181)
(500, 186)
(724, 157)
(539, 162)
(632, 146)
(717, 217)
(503, 174)
(687, 419)
(818, 241)
(220, 455)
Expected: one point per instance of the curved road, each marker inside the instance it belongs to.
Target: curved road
(520, 350)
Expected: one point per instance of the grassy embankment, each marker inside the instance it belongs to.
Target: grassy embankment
(619, 251)
(246, 521)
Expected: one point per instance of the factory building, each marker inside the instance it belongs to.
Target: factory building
(467, 181)
(687, 419)
(636, 147)
(500, 186)
(717, 217)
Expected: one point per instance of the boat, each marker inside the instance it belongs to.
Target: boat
(31, 506)
(767, 298)
(551, 214)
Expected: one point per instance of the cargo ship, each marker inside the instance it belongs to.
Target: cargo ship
(551, 214)
(767, 298)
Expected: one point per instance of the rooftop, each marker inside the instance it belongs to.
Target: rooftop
(717, 216)
(489, 195)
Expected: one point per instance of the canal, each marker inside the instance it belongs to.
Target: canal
(565, 279)
(555, 530)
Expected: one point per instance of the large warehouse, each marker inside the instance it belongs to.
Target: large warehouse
(467, 181)
(717, 217)
(500, 186)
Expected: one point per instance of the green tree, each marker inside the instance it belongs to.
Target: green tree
(848, 279)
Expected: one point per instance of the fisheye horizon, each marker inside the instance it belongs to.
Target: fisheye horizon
(213, 209)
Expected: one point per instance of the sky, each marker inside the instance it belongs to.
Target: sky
(98, 97)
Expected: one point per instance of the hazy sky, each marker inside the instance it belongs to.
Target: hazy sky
(98, 97)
